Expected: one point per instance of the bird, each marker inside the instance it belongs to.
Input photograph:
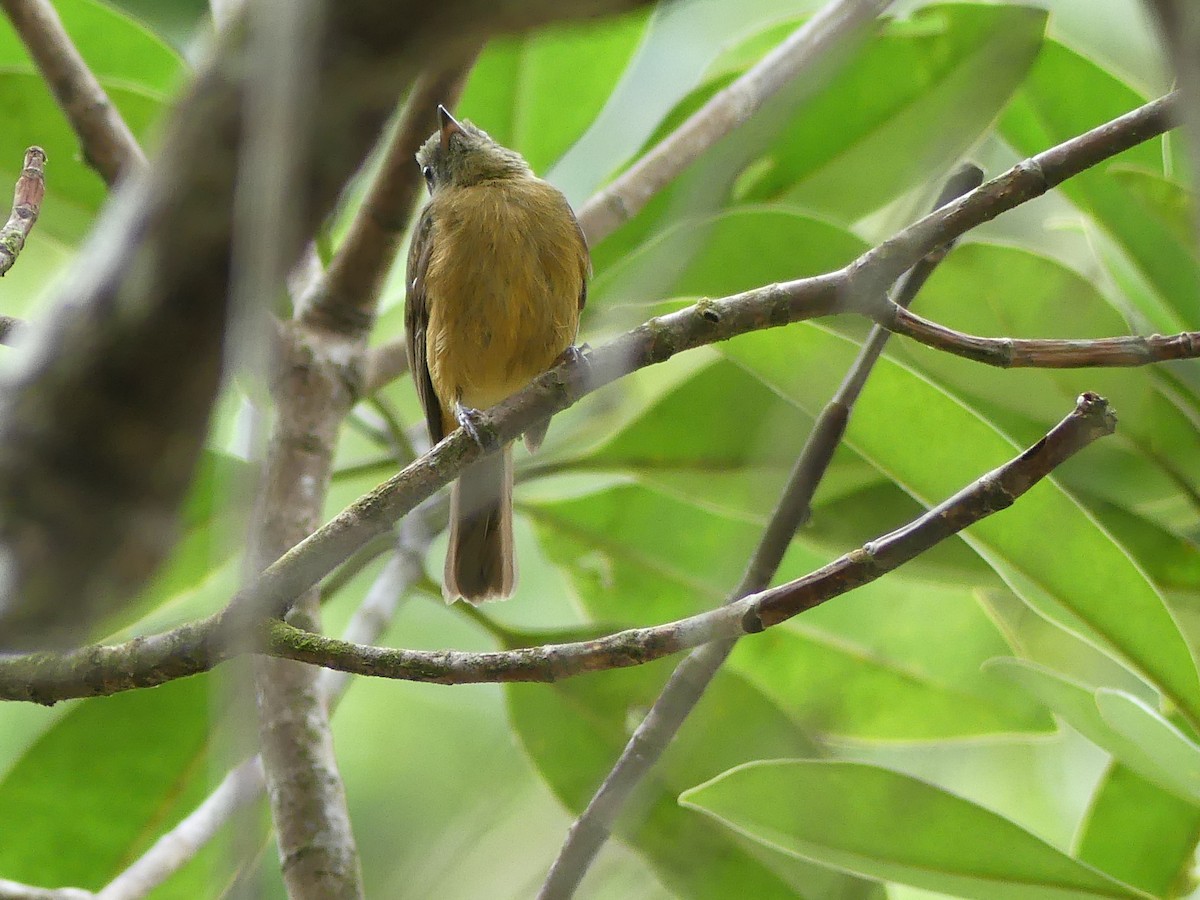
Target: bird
(497, 278)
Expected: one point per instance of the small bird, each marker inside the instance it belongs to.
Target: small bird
(497, 277)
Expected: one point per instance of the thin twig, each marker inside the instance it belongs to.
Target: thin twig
(108, 144)
(832, 27)
(692, 677)
(27, 203)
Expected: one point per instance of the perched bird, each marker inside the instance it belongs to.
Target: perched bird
(497, 276)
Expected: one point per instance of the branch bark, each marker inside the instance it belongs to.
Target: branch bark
(27, 203)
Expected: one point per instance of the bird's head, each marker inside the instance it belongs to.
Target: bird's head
(460, 155)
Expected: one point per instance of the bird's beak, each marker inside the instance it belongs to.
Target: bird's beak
(449, 125)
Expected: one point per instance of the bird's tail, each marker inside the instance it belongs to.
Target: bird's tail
(480, 564)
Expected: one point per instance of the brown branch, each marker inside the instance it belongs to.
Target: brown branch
(692, 677)
(27, 203)
(832, 28)
(47, 677)
(385, 364)
(200, 644)
(1011, 353)
(108, 145)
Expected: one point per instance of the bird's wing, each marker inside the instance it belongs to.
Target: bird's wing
(585, 257)
(416, 322)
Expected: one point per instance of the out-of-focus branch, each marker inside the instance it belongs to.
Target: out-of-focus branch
(692, 677)
(27, 203)
(831, 28)
(108, 145)
(385, 364)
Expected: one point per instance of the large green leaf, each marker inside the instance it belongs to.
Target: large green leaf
(911, 103)
(1065, 95)
(97, 788)
(881, 824)
(575, 729)
(1116, 721)
(901, 424)
(538, 93)
(1140, 833)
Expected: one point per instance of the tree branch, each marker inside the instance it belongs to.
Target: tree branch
(693, 675)
(107, 143)
(831, 28)
(27, 203)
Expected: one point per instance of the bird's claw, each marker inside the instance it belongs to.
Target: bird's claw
(473, 423)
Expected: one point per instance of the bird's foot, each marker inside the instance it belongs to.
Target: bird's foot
(573, 354)
(474, 423)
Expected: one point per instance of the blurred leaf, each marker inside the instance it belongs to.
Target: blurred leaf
(1066, 95)
(1145, 741)
(1139, 833)
(97, 788)
(885, 825)
(538, 93)
(575, 729)
(910, 104)
(1082, 571)
(175, 21)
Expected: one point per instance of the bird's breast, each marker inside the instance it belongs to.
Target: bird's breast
(503, 286)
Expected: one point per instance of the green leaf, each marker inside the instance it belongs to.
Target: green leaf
(1066, 95)
(98, 787)
(1131, 731)
(538, 93)
(575, 729)
(1082, 573)
(881, 824)
(909, 104)
(1141, 834)
(176, 21)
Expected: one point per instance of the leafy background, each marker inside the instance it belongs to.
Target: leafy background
(1014, 714)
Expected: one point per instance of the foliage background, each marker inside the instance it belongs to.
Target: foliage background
(646, 499)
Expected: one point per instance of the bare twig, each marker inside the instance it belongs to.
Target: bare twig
(27, 203)
(834, 26)
(692, 677)
(108, 144)
(199, 646)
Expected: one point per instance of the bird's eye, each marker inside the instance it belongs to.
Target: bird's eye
(427, 171)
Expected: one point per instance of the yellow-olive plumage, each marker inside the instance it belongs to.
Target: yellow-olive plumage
(497, 275)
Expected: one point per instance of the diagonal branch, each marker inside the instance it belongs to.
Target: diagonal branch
(108, 145)
(692, 677)
(27, 203)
